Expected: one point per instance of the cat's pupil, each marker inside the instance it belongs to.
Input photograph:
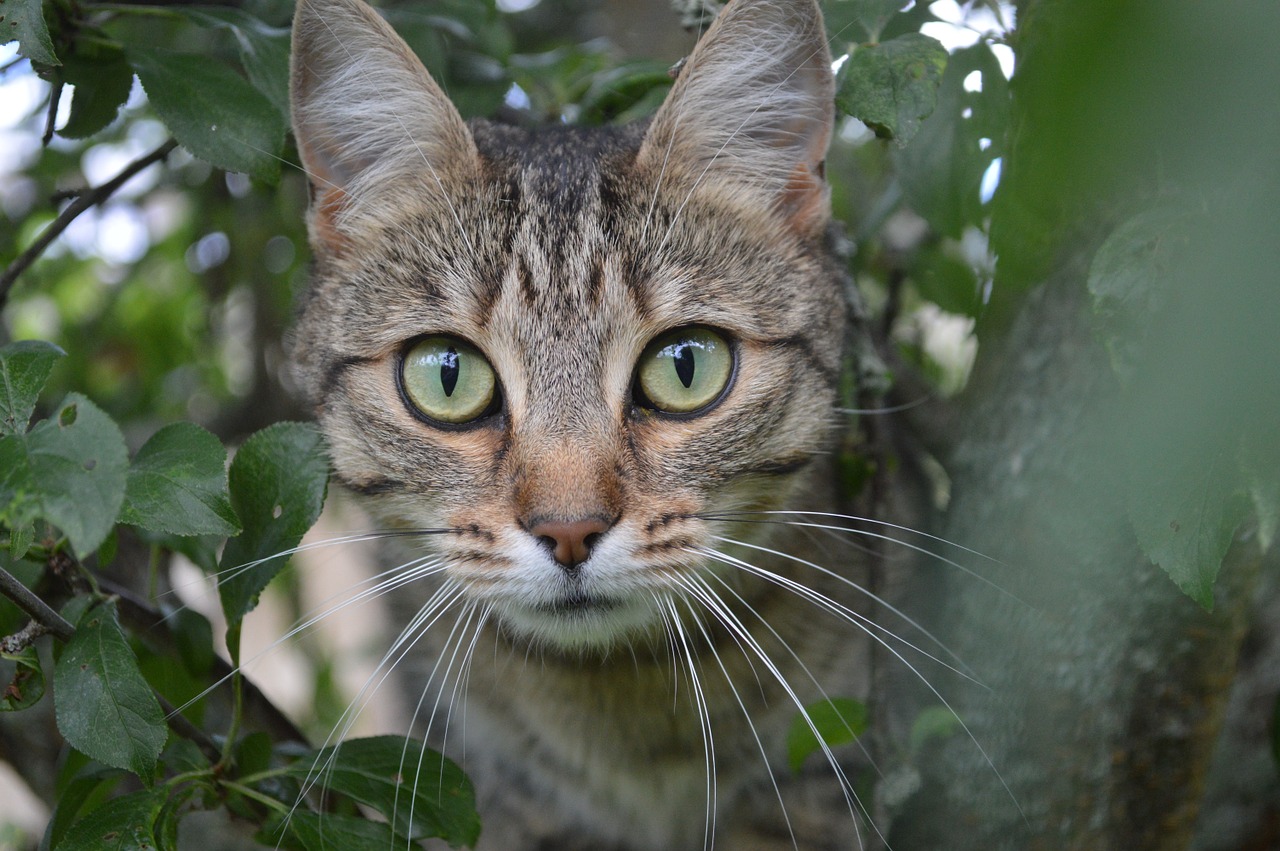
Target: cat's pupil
(449, 371)
(684, 364)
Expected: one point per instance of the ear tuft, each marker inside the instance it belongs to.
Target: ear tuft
(370, 122)
(752, 111)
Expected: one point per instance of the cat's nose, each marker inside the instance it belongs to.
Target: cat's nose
(570, 541)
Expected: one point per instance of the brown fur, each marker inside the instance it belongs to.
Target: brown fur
(560, 254)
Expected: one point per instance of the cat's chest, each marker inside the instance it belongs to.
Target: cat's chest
(600, 752)
(597, 748)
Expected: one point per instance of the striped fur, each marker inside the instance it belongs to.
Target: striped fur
(560, 253)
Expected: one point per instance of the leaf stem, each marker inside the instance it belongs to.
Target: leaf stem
(82, 202)
(237, 693)
(259, 776)
(254, 794)
(131, 9)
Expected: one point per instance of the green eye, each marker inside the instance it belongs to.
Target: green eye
(684, 370)
(448, 380)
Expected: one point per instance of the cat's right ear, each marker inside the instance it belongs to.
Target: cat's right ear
(371, 124)
(752, 112)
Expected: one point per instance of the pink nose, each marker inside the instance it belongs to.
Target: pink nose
(570, 541)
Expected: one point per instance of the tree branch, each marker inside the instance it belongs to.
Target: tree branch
(39, 611)
(23, 638)
(179, 724)
(83, 201)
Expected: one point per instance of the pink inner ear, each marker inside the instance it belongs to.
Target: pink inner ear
(328, 205)
(328, 198)
(803, 200)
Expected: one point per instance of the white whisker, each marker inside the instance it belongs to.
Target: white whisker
(890, 539)
(439, 602)
(712, 601)
(458, 629)
(785, 645)
(400, 576)
(734, 515)
(704, 721)
(867, 624)
(746, 714)
(923, 679)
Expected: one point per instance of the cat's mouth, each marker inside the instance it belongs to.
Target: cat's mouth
(578, 603)
(577, 619)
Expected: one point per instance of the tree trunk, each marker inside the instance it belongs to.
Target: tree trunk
(1106, 686)
(1106, 683)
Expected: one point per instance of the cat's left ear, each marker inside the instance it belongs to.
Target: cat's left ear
(374, 130)
(751, 113)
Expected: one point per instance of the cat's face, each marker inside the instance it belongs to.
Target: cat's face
(569, 349)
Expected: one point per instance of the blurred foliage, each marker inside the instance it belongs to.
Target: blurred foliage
(1135, 134)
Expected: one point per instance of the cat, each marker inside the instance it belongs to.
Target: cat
(591, 376)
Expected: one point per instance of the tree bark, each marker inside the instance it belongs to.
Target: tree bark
(1107, 684)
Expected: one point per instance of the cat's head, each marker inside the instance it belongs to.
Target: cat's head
(570, 347)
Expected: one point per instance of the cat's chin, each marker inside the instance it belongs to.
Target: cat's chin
(581, 622)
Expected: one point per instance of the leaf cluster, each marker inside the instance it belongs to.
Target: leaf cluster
(68, 483)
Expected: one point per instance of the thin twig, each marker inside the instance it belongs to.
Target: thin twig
(51, 116)
(83, 202)
(184, 728)
(35, 607)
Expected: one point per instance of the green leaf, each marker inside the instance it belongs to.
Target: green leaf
(201, 550)
(121, 824)
(24, 369)
(893, 86)
(253, 753)
(105, 708)
(933, 722)
(183, 756)
(69, 470)
(24, 19)
(20, 540)
(1185, 512)
(337, 832)
(193, 638)
(948, 281)
(1129, 279)
(838, 721)
(213, 111)
(394, 776)
(870, 15)
(178, 484)
(26, 685)
(942, 166)
(102, 79)
(87, 785)
(18, 506)
(264, 49)
(278, 483)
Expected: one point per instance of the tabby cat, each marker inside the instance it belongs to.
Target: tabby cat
(591, 376)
